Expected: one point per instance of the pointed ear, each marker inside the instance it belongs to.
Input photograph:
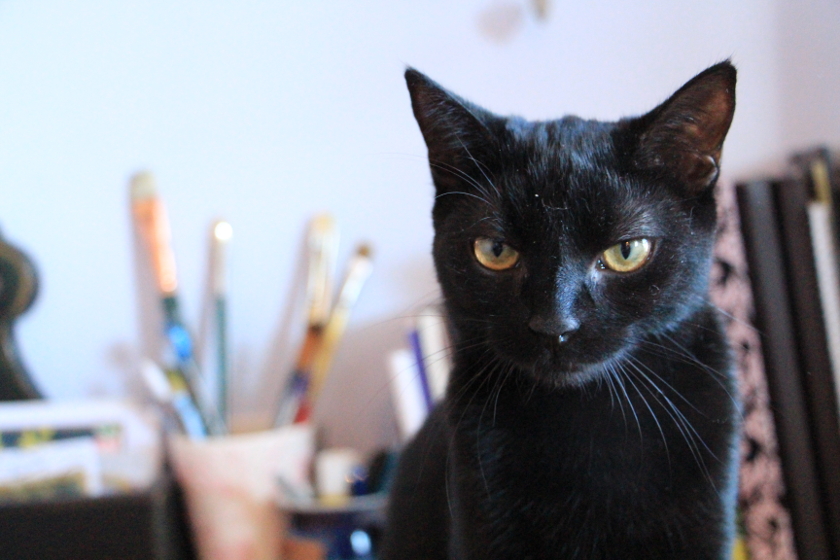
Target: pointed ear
(456, 132)
(683, 137)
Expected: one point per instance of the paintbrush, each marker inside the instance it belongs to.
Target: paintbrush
(221, 235)
(358, 271)
(322, 243)
(169, 391)
(152, 225)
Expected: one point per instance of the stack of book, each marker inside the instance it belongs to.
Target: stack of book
(420, 371)
(791, 232)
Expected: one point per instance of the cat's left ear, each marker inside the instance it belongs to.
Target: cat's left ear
(456, 132)
(683, 137)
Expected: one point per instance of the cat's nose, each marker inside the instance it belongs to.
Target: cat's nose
(561, 328)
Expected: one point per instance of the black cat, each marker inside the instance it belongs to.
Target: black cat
(591, 413)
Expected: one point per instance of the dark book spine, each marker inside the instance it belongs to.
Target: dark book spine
(792, 198)
(774, 322)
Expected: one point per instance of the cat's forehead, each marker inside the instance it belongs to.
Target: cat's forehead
(568, 146)
(562, 161)
(566, 176)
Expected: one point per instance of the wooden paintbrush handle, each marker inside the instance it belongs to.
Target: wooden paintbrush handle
(153, 226)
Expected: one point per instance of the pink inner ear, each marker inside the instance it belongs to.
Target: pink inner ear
(701, 169)
(686, 136)
(712, 123)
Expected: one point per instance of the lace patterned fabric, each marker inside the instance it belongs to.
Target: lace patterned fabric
(766, 521)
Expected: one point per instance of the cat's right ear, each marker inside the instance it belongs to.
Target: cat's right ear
(683, 137)
(456, 132)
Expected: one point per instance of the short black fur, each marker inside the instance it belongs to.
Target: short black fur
(591, 414)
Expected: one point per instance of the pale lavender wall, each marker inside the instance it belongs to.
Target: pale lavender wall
(808, 51)
(265, 112)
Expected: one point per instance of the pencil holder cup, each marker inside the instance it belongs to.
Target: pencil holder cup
(230, 487)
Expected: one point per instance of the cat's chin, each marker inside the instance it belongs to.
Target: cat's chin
(559, 373)
(562, 379)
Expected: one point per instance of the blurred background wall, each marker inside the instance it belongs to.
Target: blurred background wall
(264, 113)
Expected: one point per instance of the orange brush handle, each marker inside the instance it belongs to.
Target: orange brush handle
(150, 217)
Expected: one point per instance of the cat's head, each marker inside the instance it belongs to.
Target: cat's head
(560, 244)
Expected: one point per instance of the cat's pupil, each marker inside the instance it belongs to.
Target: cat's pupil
(626, 249)
(498, 247)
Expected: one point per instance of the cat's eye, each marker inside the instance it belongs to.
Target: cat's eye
(495, 254)
(627, 256)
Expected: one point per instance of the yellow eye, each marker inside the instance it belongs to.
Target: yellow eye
(495, 254)
(627, 256)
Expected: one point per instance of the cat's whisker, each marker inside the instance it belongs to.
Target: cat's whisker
(485, 374)
(657, 393)
(498, 379)
(611, 385)
(682, 418)
(685, 427)
(531, 394)
(445, 353)
(464, 176)
(479, 375)
(648, 369)
(708, 300)
(479, 166)
(644, 400)
(450, 193)
(620, 379)
(636, 363)
(667, 353)
(447, 491)
(496, 389)
(510, 371)
(683, 355)
(686, 353)
(452, 402)
(719, 377)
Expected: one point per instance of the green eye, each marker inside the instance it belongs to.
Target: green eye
(495, 254)
(627, 256)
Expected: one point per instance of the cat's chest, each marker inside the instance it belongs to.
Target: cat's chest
(579, 447)
(548, 480)
(573, 460)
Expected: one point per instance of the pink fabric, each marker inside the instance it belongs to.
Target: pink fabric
(766, 521)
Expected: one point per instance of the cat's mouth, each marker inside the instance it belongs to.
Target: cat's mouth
(568, 363)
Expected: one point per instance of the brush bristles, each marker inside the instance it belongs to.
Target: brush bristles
(324, 224)
(143, 186)
(364, 251)
(222, 231)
